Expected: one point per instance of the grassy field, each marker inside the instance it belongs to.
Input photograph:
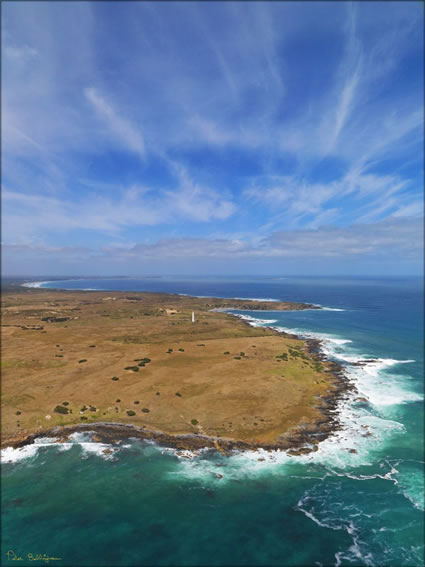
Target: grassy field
(87, 357)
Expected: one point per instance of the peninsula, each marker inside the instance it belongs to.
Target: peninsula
(135, 364)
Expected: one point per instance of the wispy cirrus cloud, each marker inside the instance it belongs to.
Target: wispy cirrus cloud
(286, 117)
(119, 127)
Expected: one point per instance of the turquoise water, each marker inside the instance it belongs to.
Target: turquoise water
(147, 505)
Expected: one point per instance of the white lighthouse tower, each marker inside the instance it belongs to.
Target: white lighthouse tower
(193, 316)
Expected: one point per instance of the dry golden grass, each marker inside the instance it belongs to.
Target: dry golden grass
(255, 397)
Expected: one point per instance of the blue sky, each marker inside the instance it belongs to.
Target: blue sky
(212, 138)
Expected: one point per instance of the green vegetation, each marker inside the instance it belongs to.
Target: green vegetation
(114, 378)
(65, 403)
(181, 349)
(297, 353)
(283, 356)
(61, 409)
(118, 401)
(131, 412)
(133, 368)
(169, 351)
(227, 352)
(178, 394)
(82, 360)
(146, 410)
(194, 421)
(237, 357)
(136, 402)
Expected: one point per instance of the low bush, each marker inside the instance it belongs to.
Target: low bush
(194, 421)
(82, 360)
(136, 402)
(181, 349)
(133, 368)
(146, 410)
(61, 409)
(18, 413)
(65, 403)
(131, 412)
(227, 352)
(178, 394)
(114, 378)
(237, 357)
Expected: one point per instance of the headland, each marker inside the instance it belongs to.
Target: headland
(135, 365)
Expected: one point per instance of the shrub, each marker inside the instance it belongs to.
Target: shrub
(131, 412)
(136, 402)
(242, 354)
(169, 351)
(158, 393)
(201, 344)
(83, 417)
(82, 360)
(194, 421)
(92, 346)
(118, 401)
(84, 408)
(114, 378)
(65, 403)
(59, 355)
(133, 368)
(227, 352)
(61, 409)
(282, 356)
(146, 410)
(181, 349)
(18, 413)
(237, 357)
(178, 394)
(141, 364)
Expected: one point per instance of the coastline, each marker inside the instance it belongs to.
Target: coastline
(300, 439)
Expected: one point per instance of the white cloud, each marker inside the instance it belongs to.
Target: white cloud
(118, 126)
(394, 237)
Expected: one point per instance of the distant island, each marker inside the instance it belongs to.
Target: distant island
(135, 364)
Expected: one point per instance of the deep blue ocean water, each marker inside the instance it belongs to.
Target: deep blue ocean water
(145, 505)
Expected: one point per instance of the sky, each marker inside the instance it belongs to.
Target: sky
(144, 138)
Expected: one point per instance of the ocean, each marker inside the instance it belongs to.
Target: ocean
(358, 500)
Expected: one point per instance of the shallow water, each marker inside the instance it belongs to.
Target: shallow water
(146, 505)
